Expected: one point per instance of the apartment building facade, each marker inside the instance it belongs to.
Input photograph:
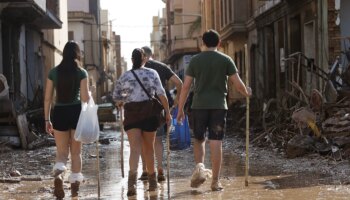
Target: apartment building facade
(274, 31)
(183, 37)
(31, 43)
(91, 28)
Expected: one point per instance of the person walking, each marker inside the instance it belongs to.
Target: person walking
(211, 70)
(143, 132)
(165, 74)
(70, 81)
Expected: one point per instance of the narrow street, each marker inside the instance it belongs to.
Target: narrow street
(271, 176)
(294, 55)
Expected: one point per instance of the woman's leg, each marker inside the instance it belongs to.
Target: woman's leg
(62, 152)
(62, 139)
(148, 145)
(76, 177)
(75, 153)
(135, 141)
(144, 175)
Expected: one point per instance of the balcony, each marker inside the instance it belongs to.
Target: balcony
(182, 43)
(29, 12)
(184, 29)
(267, 6)
(233, 18)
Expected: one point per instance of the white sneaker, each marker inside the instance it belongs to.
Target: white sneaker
(200, 175)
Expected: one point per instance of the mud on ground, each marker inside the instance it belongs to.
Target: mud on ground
(35, 165)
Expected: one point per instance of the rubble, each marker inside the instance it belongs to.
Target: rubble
(298, 123)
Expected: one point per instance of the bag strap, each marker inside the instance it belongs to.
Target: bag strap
(143, 87)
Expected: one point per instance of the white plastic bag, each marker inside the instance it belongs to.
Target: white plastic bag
(88, 129)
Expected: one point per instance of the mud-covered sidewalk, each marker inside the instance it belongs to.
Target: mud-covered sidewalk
(272, 176)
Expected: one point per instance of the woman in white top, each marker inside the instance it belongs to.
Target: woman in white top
(128, 90)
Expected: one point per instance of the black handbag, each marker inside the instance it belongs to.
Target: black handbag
(139, 111)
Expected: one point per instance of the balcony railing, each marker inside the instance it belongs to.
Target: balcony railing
(266, 6)
(30, 12)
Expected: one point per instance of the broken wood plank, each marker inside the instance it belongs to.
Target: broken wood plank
(31, 178)
(23, 129)
(10, 180)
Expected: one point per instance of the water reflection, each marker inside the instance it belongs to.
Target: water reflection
(265, 182)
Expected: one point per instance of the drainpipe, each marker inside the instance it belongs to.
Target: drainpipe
(100, 69)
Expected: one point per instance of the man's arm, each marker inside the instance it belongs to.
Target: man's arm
(178, 84)
(239, 85)
(183, 96)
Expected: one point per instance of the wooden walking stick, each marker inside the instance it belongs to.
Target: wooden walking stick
(168, 157)
(98, 170)
(122, 140)
(247, 117)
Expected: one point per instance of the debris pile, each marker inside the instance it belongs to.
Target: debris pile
(338, 121)
(300, 122)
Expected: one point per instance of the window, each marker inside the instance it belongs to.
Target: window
(230, 10)
(222, 13)
(70, 35)
(104, 34)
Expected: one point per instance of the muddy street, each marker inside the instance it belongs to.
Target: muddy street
(271, 175)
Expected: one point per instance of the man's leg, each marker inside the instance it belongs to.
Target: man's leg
(216, 134)
(199, 150)
(216, 160)
(200, 119)
(158, 148)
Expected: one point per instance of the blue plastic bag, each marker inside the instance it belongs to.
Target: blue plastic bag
(180, 136)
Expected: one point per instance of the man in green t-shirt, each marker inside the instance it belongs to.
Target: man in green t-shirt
(210, 70)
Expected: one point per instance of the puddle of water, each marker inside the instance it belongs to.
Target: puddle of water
(265, 182)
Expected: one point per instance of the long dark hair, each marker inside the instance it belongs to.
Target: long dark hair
(67, 73)
(136, 58)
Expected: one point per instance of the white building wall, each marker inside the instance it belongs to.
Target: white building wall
(78, 5)
(61, 35)
(78, 29)
(105, 24)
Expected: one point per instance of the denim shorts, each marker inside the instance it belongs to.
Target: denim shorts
(66, 117)
(212, 121)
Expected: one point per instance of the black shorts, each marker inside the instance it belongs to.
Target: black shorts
(149, 125)
(213, 120)
(65, 118)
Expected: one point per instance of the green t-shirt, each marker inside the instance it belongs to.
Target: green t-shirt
(210, 70)
(81, 73)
